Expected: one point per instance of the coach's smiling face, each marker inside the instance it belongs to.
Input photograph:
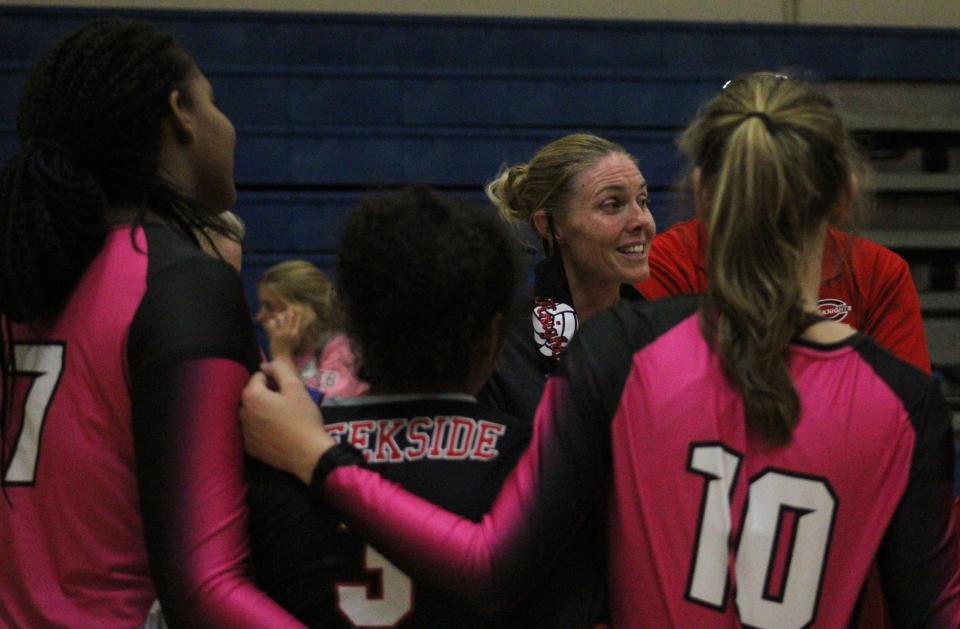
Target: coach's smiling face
(604, 232)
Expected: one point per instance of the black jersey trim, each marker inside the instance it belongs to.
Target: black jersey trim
(852, 341)
(604, 347)
(921, 398)
(917, 556)
(193, 307)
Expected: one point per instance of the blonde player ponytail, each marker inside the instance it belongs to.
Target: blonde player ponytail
(773, 160)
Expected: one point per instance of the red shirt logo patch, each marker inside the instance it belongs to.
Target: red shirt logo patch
(833, 309)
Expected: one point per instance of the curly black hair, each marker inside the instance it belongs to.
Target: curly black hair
(421, 278)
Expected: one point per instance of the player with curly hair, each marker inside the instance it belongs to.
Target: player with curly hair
(425, 283)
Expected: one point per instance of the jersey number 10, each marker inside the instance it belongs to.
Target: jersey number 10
(783, 545)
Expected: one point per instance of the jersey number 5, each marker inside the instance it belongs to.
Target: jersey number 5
(43, 364)
(783, 545)
(393, 604)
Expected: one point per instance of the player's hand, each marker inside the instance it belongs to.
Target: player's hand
(282, 425)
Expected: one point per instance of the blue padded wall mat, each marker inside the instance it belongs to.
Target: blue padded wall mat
(328, 107)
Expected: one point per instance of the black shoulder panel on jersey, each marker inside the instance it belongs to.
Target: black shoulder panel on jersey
(193, 308)
(601, 353)
(921, 398)
(918, 555)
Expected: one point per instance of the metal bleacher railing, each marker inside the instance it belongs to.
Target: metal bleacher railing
(911, 131)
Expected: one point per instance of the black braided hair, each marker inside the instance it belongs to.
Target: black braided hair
(421, 278)
(89, 125)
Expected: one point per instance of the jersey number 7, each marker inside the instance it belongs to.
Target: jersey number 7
(783, 546)
(42, 363)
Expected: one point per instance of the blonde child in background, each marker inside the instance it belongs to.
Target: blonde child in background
(301, 314)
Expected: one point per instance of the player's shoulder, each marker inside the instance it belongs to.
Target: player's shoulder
(633, 324)
(177, 266)
(601, 355)
(169, 247)
(909, 384)
(412, 406)
(194, 304)
(485, 412)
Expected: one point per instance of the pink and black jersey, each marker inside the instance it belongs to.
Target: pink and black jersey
(706, 526)
(124, 476)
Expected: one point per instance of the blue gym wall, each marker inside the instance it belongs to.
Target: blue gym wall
(328, 107)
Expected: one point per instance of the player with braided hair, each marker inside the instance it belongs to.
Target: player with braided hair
(124, 346)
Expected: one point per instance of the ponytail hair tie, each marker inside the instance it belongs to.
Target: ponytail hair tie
(768, 123)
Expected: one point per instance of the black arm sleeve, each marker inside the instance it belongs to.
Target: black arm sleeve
(918, 556)
(190, 349)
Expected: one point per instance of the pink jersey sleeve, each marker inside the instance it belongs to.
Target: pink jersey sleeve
(193, 502)
(489, 564)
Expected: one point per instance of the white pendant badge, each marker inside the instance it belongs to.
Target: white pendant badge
(554, 325)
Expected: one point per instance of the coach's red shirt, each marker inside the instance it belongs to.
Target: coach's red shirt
(864, 285)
